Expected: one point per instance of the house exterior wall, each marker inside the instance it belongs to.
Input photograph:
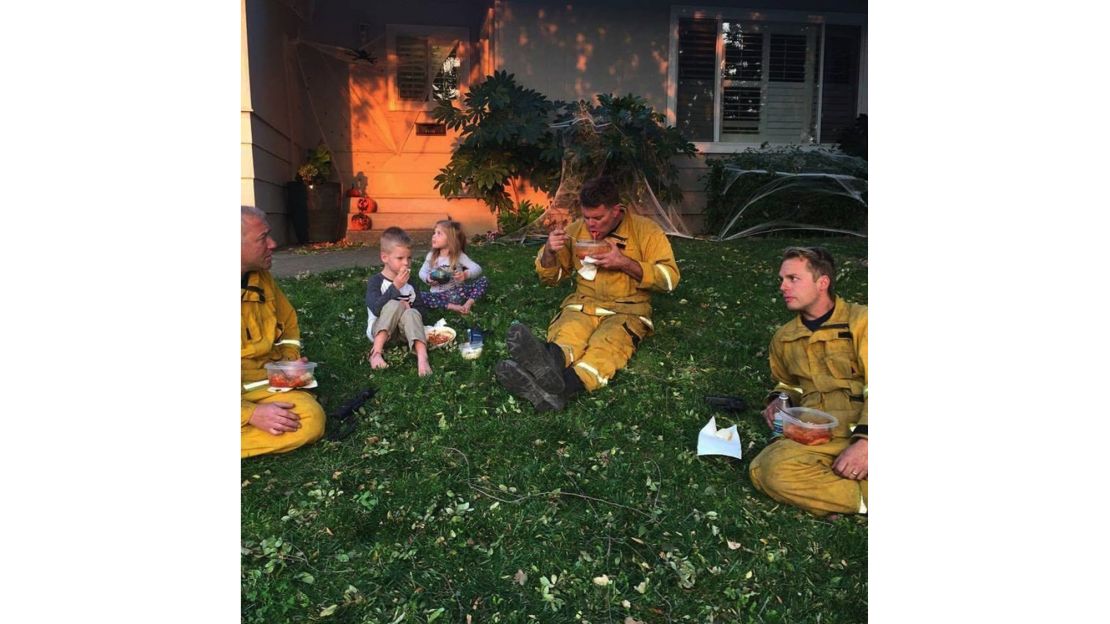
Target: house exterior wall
(298, 88)
(351, 109)
(571, 51)
(271, 121)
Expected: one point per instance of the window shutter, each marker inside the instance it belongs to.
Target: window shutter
(697, 70)
(788, 58)
(412, 67)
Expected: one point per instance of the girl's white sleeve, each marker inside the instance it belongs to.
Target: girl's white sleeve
(426, 270)
(472, 268)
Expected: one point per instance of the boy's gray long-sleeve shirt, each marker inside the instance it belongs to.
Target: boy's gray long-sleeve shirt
(380, 291)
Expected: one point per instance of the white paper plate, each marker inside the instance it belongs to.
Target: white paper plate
(428, 330)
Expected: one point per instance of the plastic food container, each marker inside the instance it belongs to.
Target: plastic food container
(583, 248)
(808, 426)
(470, 351)
(291, 374)
(439, 336)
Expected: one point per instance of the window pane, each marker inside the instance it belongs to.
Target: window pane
(743, 53)
(446, 83)
(697, 61)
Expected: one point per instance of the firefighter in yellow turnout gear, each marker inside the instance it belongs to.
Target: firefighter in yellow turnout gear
(602, 322)
(269, 422)
(820, 361)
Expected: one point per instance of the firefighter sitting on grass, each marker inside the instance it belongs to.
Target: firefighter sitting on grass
(601, 323)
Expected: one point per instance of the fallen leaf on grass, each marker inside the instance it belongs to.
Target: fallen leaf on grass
(601, 581)
(732, 545)
(520, 577)
(632, 620)
(329, 610)
(642, 587)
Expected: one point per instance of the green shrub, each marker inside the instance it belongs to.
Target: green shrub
(506, 133)
(509, 221)
(853, 139)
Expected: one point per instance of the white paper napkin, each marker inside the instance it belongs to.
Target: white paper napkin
(588, 270)
(713, 441)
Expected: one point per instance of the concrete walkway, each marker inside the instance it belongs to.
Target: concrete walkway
(289, 264)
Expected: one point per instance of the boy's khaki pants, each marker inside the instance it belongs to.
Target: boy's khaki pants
(394, 316)
(802, 476)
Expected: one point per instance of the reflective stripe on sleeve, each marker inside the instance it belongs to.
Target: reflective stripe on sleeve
(783, 386)
(290, 341)
(603, 312)
(255, 384)
(666, 276)
(648, 322)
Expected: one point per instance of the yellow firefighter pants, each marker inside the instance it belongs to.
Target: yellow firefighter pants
(802, 476)
(596, 346)
(254, 441)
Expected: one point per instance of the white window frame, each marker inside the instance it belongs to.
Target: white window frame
(754, 15)
(440, 33)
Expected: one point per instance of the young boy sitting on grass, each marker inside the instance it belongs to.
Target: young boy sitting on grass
(393, 303)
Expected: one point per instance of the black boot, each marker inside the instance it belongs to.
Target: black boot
(520, 383)
(544, 363)
(572, 384)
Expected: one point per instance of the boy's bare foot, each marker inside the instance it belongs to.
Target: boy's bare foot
(377, 361)
(422, 367)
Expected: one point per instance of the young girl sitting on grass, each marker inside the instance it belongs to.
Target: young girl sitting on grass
(458, 282)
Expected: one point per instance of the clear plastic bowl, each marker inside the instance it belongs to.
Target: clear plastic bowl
(583, 248)
(470, 351)
(808, 426)
(291, 374)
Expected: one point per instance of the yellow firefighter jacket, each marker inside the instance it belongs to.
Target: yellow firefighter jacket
(826, 369)
(639, 238)
(268, 333)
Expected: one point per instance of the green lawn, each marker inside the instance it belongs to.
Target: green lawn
(452, 500)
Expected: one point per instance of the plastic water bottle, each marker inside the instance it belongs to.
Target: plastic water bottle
(474, 336)
(784, 402)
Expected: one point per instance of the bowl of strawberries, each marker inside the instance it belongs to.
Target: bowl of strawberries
(291, 374)
(808, 426)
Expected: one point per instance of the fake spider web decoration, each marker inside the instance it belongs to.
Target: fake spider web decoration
(824, 177)
(584, 158)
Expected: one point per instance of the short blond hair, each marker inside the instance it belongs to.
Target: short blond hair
(394, 237)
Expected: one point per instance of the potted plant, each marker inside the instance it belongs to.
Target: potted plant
(314, 200)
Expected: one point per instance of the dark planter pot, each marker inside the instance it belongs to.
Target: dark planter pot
(327, 221)
(296, 203)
